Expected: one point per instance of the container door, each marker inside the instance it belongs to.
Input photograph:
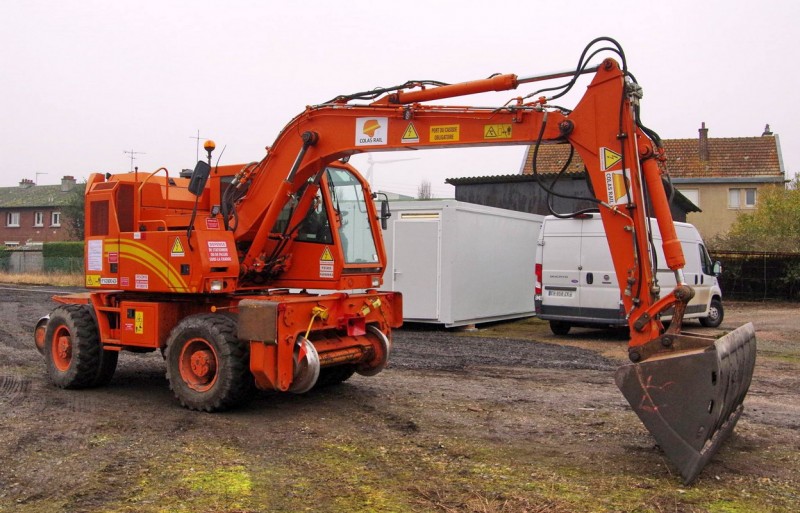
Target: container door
(416, 270)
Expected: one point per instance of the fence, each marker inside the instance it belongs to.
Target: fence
(33, 261)
(759, 276)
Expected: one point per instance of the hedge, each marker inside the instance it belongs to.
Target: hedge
(5, 255)
(63, 257)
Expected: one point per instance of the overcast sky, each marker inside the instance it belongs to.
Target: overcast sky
(82, 82)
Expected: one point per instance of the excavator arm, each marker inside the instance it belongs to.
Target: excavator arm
(621, 160)
(687, 390)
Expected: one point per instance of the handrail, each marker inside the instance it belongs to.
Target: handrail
(151, 175)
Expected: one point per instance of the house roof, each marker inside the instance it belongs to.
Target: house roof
(728, 157)
(679, 199)
(37, 196)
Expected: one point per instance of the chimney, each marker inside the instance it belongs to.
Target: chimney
(26, 183)
(67, 183)
(703, 142)
(767, 131)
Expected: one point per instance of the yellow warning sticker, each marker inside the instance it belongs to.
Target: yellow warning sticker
(497, 131)
(138, 323)
(609, 158)
(92, 280)
(326, 255)
(177, 248)
(410, 135)
(445, 133)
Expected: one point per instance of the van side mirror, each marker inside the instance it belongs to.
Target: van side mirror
(717, 270)
(199, 178)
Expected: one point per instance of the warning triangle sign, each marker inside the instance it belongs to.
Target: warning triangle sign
(411, 134)
(609, 158)
(177, 247)
(326, 255)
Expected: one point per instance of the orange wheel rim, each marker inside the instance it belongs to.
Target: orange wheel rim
(198, 365)
(61, 348)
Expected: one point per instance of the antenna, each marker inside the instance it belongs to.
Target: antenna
(36, 181)
(197, 139)
(133, 155)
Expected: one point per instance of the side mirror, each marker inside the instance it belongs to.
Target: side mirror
(385, 214)
(717, 268)
(199, 178)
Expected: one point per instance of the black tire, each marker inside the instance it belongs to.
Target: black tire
(108, 366)
(715, 314)
(331, 376)
(560, 327)
(227, 381)
(73, 352)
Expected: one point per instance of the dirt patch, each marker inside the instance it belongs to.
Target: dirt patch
(511, 419)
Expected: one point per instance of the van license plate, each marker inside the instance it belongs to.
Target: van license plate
(560, 293)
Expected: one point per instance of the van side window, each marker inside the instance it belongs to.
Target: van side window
(705, 261)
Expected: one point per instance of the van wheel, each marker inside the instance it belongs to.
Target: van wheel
(560, 327)
(715, 315)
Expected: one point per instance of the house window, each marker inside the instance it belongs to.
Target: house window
(12, 244)
(12, 219)
(55, 219)
(38, 219)
(692, 195)
(735, 198)
(750, 198)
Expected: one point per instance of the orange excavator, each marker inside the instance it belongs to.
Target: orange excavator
(215, 267)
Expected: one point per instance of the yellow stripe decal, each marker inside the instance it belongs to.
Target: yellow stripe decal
(138, 252)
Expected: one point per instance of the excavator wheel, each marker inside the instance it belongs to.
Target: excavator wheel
(382, 355)
(208, 367)
(71, 345)
(306, 366)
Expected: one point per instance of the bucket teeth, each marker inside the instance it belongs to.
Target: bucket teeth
(691, 400)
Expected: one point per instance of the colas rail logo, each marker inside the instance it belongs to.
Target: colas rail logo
(370, 127)
(371, 131)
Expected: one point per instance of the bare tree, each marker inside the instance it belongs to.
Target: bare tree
(424, 190)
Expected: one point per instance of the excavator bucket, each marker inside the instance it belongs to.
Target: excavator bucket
(691, 399)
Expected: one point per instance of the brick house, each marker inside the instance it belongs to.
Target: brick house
(32, 214)
(721, 176)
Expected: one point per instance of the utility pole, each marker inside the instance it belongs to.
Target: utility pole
(133, 155)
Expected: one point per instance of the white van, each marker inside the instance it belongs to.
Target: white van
(576, 284)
